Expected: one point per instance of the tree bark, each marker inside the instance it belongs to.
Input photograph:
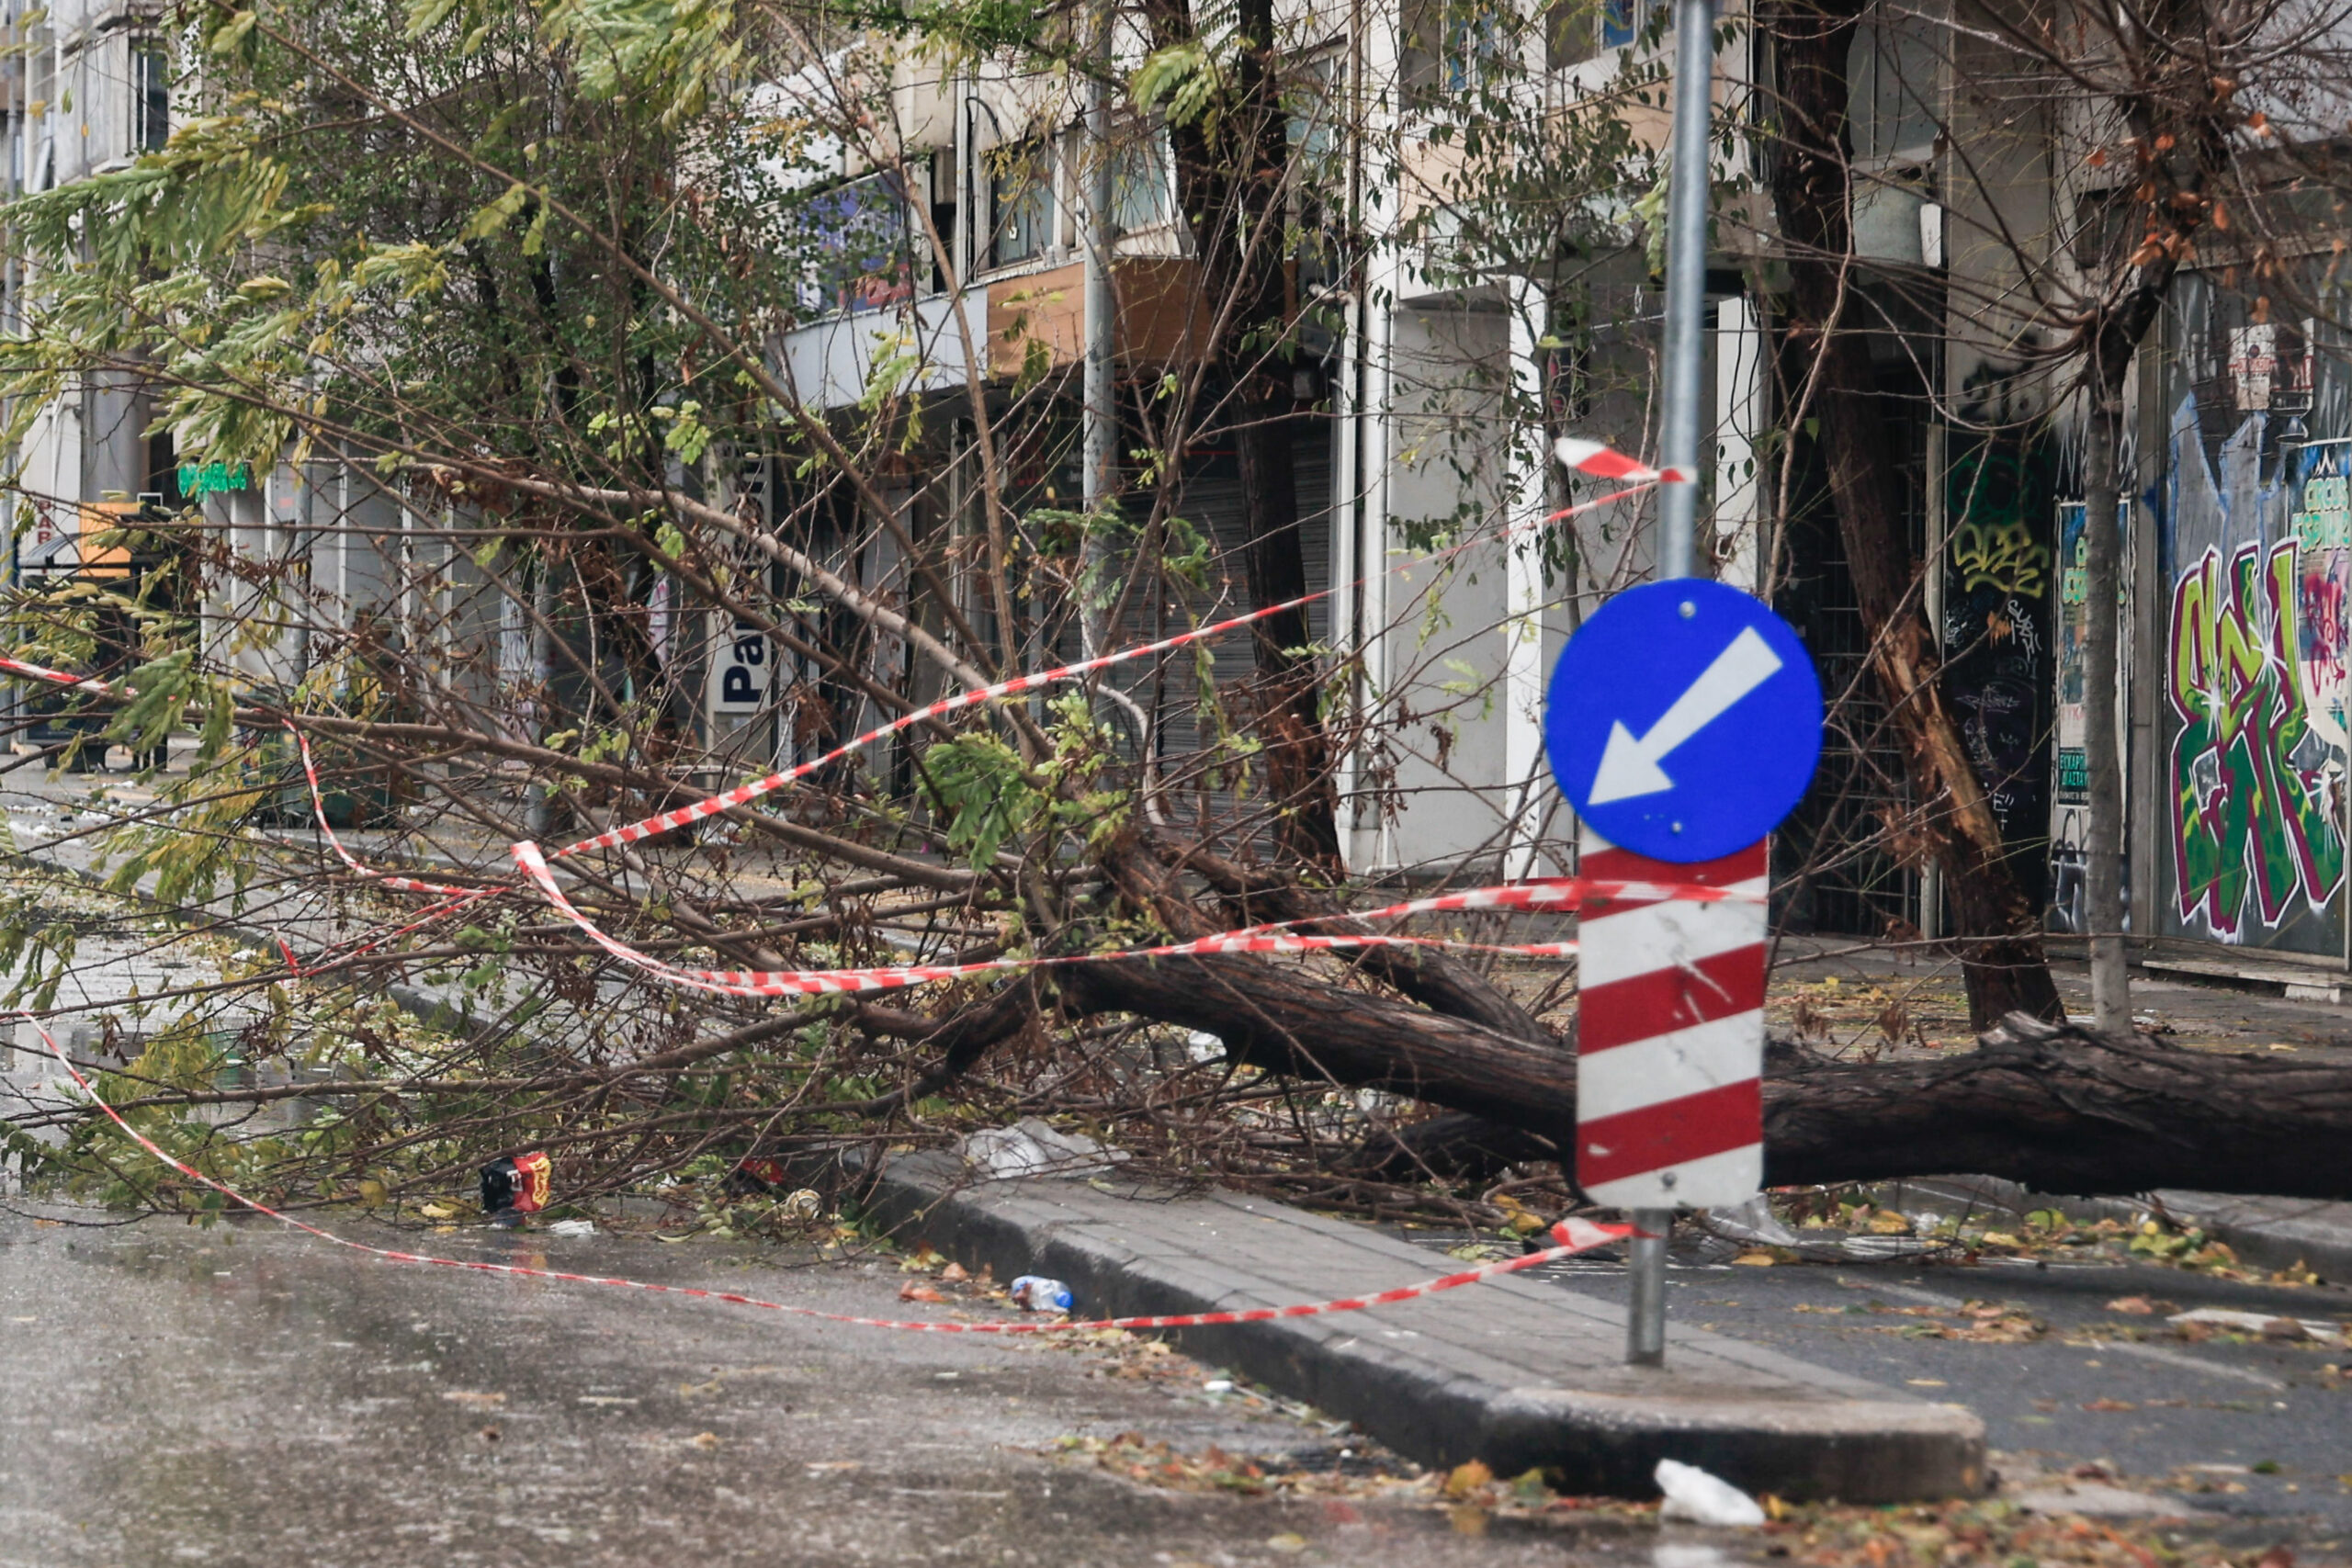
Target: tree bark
(2002, 958)
(1232, 173)
(2057, 1109)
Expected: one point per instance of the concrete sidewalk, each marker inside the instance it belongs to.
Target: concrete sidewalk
(1516, 1373)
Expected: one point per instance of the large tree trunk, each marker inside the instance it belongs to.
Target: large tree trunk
(2057, 1109)
(2002, 957)
(1232, 179)
(2102, 663)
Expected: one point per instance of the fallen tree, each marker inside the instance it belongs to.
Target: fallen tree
(515, 598)
(2055, 1108)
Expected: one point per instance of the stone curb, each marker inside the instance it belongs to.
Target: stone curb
(1518, 1373)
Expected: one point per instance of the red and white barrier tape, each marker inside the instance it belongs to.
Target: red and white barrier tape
(896, 976)
(1604, 462)
(404, 883)
(1545, 893)
(1587, 457)
(1557, 893)
(742, 794)
(1573, 1237)
(64, 678)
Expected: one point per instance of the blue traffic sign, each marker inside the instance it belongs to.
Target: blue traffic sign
(1684, 720)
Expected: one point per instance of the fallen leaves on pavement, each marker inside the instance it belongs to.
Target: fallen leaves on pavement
(1984, 1533)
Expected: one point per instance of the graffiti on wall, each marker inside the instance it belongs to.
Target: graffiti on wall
(1995, 616)
(2256, 786)
(2002, 556)
(2323, 543)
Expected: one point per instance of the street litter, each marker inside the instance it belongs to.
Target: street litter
(1032, 1146)
(1692, 1493)
(572, 1228)
(1752, 1221)
(1034, 1292)
(514, 1188)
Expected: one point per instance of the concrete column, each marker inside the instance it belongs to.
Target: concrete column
(1369, 845)
(1739, 422)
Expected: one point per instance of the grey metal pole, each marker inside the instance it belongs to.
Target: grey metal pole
(1686, 369)
(1100, 445)
(1646, 1311)
(1686, 286)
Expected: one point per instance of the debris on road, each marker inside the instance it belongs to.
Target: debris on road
(1033, 1146)
(2208, 1320)
(1034, 1293)
(1691, 1493)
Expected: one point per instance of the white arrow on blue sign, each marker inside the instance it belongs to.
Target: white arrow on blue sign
(1684, 720)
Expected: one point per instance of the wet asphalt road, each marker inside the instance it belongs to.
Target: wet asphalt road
(242, 1395)
(2226, 1427)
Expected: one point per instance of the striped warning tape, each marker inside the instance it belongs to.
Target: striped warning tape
(886, 977)
(742, 795)
(1559, 893)
(64, 678)
(1571, 1236)
(1586, 456)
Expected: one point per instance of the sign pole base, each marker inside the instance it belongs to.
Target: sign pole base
(1646, 1264)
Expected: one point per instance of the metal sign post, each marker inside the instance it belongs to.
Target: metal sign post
(1686, 300)
(1686, 286)
(1683, 722)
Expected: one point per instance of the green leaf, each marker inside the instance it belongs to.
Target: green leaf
(497, 215)
(231, 36)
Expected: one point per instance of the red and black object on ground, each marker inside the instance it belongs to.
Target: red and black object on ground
(515, 1187)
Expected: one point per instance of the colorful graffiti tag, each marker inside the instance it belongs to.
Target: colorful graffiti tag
(2256, 785)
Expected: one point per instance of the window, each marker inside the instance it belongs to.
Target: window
(1138, 183)
(1020, 202)
(1577, 31)
(151, 96)
(1452, 46)
(865, 245)
(1891, 75)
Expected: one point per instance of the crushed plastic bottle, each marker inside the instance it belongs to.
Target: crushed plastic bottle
(1034, 1292)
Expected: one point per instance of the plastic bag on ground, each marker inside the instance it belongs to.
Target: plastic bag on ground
(1753, 1222)
(1033, 1147)
(1691, 1493)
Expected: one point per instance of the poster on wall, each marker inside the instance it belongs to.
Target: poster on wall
(2258, 561)
(2070, 783)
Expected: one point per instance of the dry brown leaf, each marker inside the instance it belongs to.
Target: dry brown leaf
(1464, 1479)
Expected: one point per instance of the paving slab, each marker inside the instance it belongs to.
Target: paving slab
(1512, 1372)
